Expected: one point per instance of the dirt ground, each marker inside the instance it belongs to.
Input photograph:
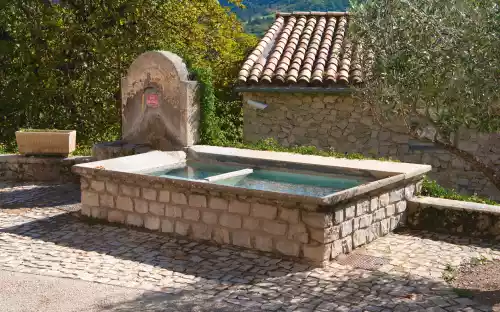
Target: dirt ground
(479, 280)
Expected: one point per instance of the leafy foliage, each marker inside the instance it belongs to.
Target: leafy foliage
(436, 63)
(61, 64)
(432, 189)
(221, 121)
(433, 66)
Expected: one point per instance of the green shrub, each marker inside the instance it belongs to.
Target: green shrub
(270, 144)
(432, 189)
(61, 61)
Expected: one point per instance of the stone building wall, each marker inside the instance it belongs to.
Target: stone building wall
(287, 228)
(339, 122)
(39, 169)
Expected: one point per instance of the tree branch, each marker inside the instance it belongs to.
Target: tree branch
(488, 171)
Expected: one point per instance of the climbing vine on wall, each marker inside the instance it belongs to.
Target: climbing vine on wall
(208, 119)
(221, 118)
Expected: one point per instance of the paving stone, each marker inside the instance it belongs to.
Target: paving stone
(40, 235)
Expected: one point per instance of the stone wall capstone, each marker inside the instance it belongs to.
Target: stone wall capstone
(339, 122)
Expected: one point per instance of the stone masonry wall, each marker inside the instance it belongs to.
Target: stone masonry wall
(338, 122)
(455, 217)
(39, 169)
(286, 228)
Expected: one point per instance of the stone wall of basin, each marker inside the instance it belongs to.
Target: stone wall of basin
(316, 233)
(454, 217)
(39, 169)
(343, 124)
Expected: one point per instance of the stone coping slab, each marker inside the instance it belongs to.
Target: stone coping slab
(135, 163)
(131, 167)
(441, 203)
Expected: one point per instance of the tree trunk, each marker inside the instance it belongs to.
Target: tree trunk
(488, 171)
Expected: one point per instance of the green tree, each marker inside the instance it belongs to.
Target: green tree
(61, 61)
(434, 65)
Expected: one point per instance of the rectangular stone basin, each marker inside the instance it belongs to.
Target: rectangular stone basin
(302, 206)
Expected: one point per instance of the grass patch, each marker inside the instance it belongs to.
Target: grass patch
(82, 150)
(44, 130)
(464, 293)
(432, 189)
(478, 261)
(449, 273)
(8, 149)
(270, 144)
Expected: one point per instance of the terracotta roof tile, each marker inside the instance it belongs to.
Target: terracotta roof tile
(309, 48)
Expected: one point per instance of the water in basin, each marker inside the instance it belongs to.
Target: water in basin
(292, 183)
(266, 180)
(195, 171)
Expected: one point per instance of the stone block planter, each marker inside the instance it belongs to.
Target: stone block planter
(46, 142)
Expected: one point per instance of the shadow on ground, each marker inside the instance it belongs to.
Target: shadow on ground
(231, 279)
(30, 195)
(448, 238)
(370, 291)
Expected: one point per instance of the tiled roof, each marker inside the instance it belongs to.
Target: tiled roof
(305, 49)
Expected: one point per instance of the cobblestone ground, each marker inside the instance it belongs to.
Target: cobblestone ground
(40, 233)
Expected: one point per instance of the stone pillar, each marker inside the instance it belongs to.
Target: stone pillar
(159, 103)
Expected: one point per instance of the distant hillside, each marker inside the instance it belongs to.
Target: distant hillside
(259, 14)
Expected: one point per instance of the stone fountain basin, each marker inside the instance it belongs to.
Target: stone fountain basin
(315, 228)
